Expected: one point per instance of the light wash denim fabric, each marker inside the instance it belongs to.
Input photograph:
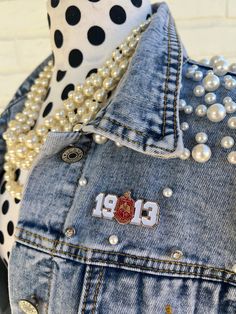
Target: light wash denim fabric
(85, 273)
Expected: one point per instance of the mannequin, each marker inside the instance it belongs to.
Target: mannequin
(83, 34)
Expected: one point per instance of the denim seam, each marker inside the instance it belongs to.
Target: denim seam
(83, 248)
(86, 259)
(98, 285)
(88, 284)
(165, 100)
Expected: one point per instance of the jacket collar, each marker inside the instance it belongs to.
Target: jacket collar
(143, 113)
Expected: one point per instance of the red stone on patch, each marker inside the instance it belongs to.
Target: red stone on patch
(125, 209)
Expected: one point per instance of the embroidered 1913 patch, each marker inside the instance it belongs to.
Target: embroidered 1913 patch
(125, 210)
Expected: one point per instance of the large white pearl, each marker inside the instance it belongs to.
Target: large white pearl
(232, 157)
(201, 138)
(216, 112)
(201, 110)
(199, 91)
(211, 82)
(215, 59)
(221, 67)
(227, 142)
(210, 98)
(201, 153)
(232, 123)
(99, 139)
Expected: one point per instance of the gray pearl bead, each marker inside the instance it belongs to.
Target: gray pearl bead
(221, 67)
(197, 76)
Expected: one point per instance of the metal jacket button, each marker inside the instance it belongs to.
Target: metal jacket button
(72, 154)
(27, 307)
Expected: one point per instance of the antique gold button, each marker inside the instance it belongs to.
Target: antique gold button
(72, 154)
(27, 307)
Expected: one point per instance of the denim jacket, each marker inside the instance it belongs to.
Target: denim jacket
(77, 249)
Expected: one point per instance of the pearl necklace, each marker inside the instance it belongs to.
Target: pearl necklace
(24, 143)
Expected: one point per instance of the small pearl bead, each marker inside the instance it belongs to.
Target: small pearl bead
(188, 109)
(177, 254)
(99, 139)
(201, 138)
(221, 67)
(210, 98)
(234, 268)
(215, 59)
(201, 110)
(227, 142)
(185, 154)
(184, 126)
(167, 192)
(197, 76)
(232, 123)
(232, 157)
(211, 82)
(201, 153)
(205, 62)
(182, 104)
(216, 112)
(230, 84)
(113, 239)
(199, 91)
(233, 67)
(83, 181)
(118, 144)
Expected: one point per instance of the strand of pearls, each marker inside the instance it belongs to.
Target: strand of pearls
(24, 143)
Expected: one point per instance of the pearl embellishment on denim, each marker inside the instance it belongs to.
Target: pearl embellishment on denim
(221, 67)
(199, 91)
(83, 181)
(188, 109)
(177, 254)
(182, 104)
(229, 104)
(201, 153)
(99, 139)
(216, 112)
(167, 192)
(197, 76)
(232, 157)
(118, 144)
(229, 82)
(184, 126)
(201, 110)
(113, 239)
(211, 82)
(227, 142)
(185, 154)
(210, 98)
(232, 123)
(201, 138)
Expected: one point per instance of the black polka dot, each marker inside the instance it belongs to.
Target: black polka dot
(66, 91)
(91, 71)
(75, 58)
(73, 15)
(117, 14)
(17, 174)
(94, 0)
(5, 207)
(1, 237)
(147, 17)
(10, 228)
(58, 38)
(54, 3)
(17, 200)
(60, 75)
(137, 3)
(48, 92)
(96, 35)
(47, 109)
(8, 254)
(49, 21)
(3, 187)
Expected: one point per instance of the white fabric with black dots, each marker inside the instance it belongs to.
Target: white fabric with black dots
(83, 34)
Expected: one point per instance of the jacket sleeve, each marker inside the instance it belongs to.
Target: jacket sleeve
(4, 296)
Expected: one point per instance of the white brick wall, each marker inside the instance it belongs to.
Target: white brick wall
(207, 27)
